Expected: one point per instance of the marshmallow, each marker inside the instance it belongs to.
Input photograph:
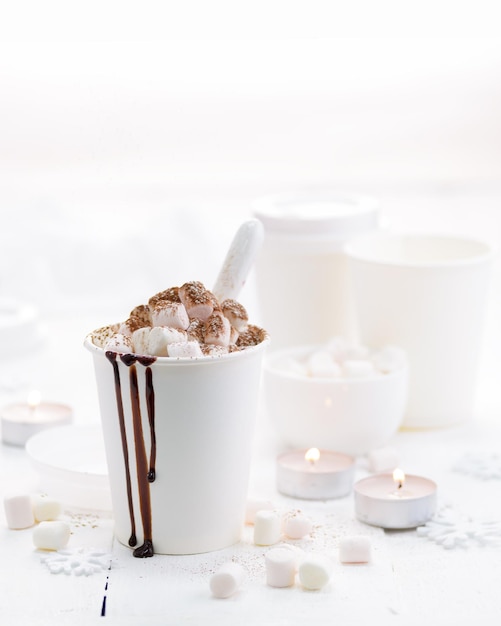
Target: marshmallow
(389, 359)
(338, 346)
(321, 365)
(160, 336)
(281, 567)
(139, 318)
(162, 298)
(236, 314)
(227, 580)
(142, 314)
(140, 340)
(51, 535)
(383, 459)
(171, 314)
(358, 368)
(355, 353)
(267, 529)
(217, 330)
(292, 366)
(197, 300)
(297, 526)
(252, 336)
(119, 343)
(46, 508)
(196, 330)
(233, 335)
(211, 350)
(253, 506)
(315, 571)
(19, 511)
(184, 349)
(355, 549)
(101, 336)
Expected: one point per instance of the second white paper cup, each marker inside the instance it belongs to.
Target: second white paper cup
(178, 436)
(426, 294)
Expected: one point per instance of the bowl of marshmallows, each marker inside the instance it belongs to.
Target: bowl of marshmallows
(337, 396)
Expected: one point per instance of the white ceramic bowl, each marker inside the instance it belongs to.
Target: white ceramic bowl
(350, 415)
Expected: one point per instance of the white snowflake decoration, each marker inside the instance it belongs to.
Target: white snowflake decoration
(451, 530)
(78, 562)
(483, 466)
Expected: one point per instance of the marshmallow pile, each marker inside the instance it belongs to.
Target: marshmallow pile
(186, 321)
(340, 358)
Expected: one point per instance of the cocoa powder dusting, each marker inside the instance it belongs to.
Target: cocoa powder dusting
(194, 292)
(159, 300)
(135, 323)
(142, 311)
(252, 336)
(234, 308)
(196, 330)
(215, 325)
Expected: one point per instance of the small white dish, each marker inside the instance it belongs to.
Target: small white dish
(71, 464)
(352, 415)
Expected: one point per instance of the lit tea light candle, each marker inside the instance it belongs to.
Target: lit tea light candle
(395, 501)
(22, 420)
(315, 474)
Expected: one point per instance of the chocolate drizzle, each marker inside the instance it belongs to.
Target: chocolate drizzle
(112, 358)
(150, 403)
(145, 470)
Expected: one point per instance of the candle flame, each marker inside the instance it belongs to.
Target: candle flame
(34, 399)
(312, 455)
(399, 478)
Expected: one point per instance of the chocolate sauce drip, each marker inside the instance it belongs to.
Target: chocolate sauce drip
(130, 359)
(150, 403)
(141, 466)
(145, 550)
(112, 358)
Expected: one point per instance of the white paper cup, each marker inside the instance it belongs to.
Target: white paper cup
(426, 294)
(203, 422)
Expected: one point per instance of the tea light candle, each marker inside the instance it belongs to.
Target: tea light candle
(21, 421)
(315, 474)
(395, 501)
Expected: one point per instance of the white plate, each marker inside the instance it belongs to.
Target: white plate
(71, 463)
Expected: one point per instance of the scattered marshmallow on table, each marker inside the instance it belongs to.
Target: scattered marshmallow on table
(46, 508)
(19, 511)
(315, 571)
(383, 459)
(267, 528)
(52, 535)
(297, 525)
(253, 506)
(281, 567)
(227, 580)
(356, 549)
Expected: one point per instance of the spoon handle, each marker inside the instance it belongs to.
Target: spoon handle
(239, 260)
